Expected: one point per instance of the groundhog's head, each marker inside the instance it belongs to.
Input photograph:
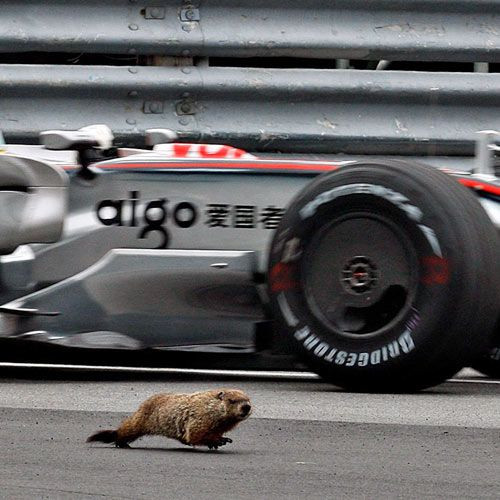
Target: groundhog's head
(237, 403)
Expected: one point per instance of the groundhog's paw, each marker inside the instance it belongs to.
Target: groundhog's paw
(220, 442)
(122, 445)
(215, 444)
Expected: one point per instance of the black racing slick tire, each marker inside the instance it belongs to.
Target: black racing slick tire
(384, 276)
(489, 363)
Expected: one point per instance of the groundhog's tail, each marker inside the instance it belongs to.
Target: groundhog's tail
(103, 437)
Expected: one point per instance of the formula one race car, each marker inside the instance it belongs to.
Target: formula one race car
(378, 275)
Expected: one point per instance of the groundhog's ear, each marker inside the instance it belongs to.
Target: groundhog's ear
(220, 395)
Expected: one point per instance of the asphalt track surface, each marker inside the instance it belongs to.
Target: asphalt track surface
(305, 439)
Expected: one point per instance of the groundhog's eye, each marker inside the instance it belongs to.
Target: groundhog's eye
(232, 401)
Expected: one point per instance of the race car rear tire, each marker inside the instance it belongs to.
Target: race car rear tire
(489, 363)
(384, 276)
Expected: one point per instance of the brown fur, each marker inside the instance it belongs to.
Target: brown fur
(198, 419)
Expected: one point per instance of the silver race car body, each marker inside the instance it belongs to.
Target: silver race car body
(163, 249)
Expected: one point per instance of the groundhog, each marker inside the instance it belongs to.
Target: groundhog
(198, 419)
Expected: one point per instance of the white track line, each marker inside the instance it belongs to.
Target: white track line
(198, 371)
(187, 371)
(474, 381)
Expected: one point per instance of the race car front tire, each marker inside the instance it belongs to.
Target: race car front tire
(384, 276)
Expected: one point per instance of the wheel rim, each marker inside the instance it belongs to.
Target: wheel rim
(360, 275)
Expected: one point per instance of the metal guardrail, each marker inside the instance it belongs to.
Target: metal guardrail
(431, 30)
(362, 112)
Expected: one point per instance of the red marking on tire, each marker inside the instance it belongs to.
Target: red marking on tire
(436, 270)
(281, 277)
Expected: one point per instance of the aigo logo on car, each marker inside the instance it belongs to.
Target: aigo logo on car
(154, 215)
(151, 216)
